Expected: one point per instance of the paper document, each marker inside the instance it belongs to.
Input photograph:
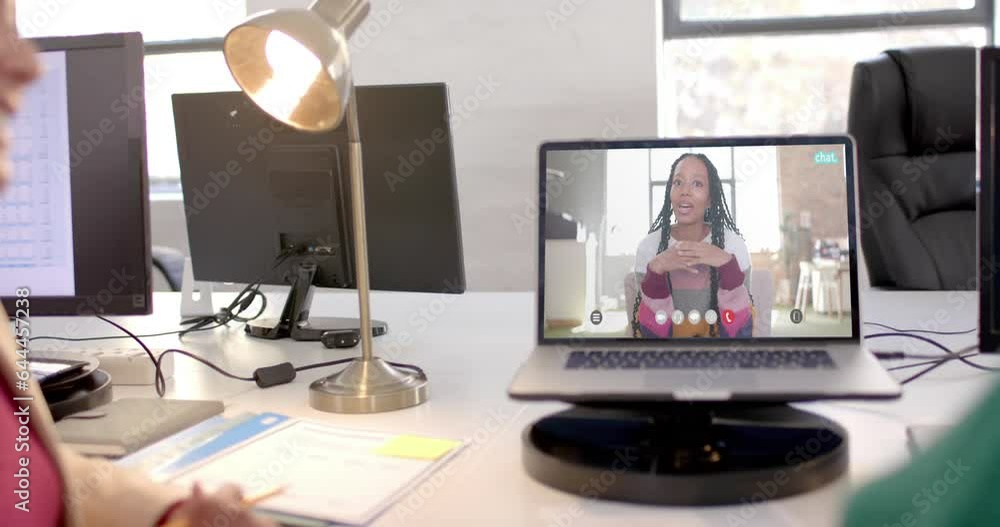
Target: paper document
(334, 474)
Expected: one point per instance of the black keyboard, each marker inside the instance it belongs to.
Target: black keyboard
(679, 360)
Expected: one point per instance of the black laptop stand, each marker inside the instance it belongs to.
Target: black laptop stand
(685, 453)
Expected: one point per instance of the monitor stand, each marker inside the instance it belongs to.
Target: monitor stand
(685, 454)
(295, 322)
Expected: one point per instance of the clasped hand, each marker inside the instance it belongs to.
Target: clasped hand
(684, 256)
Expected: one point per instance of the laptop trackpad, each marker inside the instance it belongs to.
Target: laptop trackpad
(702, 384)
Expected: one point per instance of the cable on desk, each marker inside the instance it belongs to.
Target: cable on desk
(228, 314)
(934, 361)
(934, 364)
(901, 355)
(923, 372)
(411, 367)
(220, 319)
(115, 337)
(928, 331)
(265, 377)
(243, 300)
(957, 354)
(158, 379)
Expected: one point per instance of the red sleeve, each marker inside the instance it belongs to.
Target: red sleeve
(31, 477)
(730, 274)
(655, 285)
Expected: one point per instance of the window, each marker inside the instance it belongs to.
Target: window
(183, 54)
(750, 10)
(166, 75)
(716, 50)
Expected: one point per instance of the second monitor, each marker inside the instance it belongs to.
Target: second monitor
(269, 203)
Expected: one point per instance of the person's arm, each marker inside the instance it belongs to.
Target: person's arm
(734, 291)
(107, 495)
(667, 270)
(644, 253)
(735, 271)
(649, 323)
(952, 482)
(731, 276)
(654, 291)
(95, 492)
(655, 285)
(650, 282)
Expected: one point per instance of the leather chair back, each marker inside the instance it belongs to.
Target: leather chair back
(913, 114)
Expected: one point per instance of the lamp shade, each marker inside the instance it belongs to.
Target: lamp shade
(294, 65)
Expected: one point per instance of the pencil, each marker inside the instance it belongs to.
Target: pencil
(246, 502)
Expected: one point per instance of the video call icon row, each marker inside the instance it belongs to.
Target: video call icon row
(695, 317)
(678, 317)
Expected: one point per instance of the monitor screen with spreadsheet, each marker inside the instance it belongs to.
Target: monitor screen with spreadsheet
(74, 218)
(725, 238)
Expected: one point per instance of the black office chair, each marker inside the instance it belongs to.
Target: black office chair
(912, 112)
(169, 262)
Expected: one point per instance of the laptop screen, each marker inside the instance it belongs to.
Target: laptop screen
(713, 238)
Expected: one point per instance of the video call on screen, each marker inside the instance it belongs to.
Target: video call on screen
(720, 242)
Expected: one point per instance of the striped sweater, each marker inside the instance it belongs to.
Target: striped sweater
(685, 292)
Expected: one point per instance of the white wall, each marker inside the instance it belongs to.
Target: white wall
(552, 69)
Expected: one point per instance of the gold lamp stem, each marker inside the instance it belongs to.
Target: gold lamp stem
(368, 384)
(356, 164)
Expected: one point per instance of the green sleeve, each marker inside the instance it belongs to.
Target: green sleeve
(954, 484)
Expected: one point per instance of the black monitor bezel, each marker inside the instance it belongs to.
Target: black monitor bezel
(405, 280)
(986, 198)
(132, 44)
(852, 204)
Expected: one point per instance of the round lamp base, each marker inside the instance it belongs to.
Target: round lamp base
(367, 387)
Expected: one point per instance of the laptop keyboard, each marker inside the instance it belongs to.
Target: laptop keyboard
(679, 360)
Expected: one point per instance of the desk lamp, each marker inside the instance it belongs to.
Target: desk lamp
(295, 65)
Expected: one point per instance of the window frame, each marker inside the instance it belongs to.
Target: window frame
(674, 27)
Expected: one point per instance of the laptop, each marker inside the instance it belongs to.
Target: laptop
(722, 269)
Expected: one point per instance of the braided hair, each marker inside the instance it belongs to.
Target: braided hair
(717, 216)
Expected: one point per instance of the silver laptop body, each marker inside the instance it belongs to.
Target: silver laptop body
(587, 349)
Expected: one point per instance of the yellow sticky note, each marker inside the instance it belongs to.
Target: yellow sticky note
(414, 447)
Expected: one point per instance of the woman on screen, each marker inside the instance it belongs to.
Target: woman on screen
(694, 273)
(45, 484)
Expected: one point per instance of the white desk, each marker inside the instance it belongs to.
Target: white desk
(470, 347)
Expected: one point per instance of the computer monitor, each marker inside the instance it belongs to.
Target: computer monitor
(988, 200)
(745, 238)
(74, 220)
(253, 188)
